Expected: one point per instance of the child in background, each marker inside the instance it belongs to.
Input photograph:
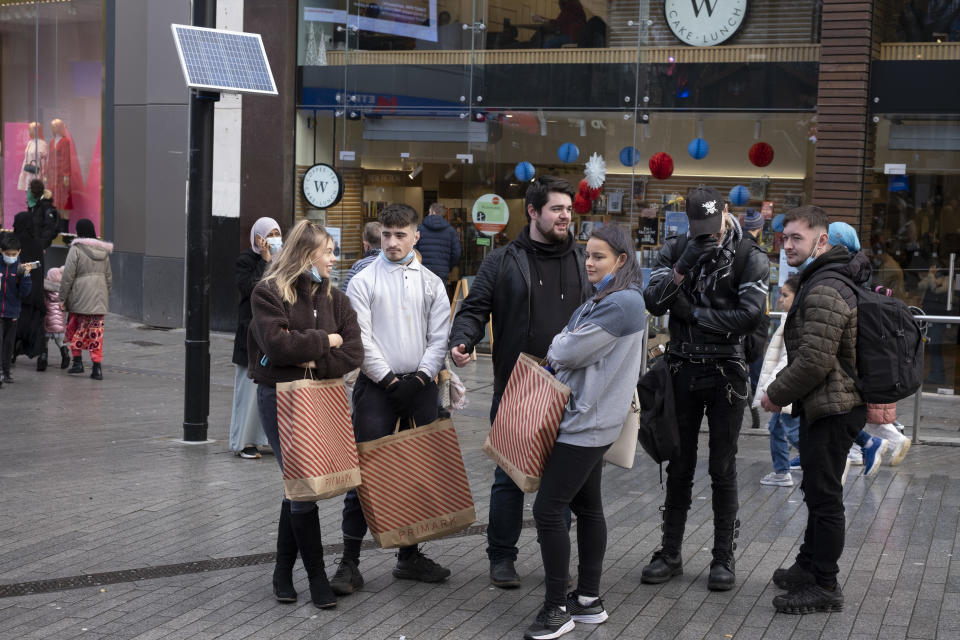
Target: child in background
(15, 285)
(783, 427)
(54, 322)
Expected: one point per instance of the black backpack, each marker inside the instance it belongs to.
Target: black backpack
(889, 343)
(658, 432)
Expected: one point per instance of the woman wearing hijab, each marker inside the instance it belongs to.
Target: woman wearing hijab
(85, 293)
(246, 434)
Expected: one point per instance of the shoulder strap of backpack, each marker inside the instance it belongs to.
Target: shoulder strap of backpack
(823, 274)
(742, 255)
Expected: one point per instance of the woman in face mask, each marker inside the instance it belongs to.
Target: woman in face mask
(246, 434)
(300, 322)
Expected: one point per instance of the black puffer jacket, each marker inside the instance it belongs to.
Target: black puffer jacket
(249, 269)
(709, 306)
(501, 289)
(439, 246)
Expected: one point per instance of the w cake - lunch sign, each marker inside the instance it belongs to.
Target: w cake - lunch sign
(704, 23)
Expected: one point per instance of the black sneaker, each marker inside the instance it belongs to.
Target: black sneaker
(792, 578)
(503, 574)
(249, 453)
(810, 598)
(347, 579)
(421, 568)
(593, 613)
(551, 622)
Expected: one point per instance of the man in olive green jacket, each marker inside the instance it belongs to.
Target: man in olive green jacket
(820, 333)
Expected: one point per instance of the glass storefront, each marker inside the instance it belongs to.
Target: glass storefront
(51, 89)
(436, 101)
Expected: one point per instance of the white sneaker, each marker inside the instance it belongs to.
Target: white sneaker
(777, 479)
(855, 456)
(898, 444)
(846, 468)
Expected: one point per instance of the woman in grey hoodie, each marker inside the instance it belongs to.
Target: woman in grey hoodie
(598, 356)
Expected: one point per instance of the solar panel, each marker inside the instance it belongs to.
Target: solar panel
(228, 61)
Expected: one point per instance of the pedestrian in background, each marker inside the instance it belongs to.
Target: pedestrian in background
(753, 228)
(371, 249)
(529, 288)
(439, 243)
(598, 355)
(783, 426)
(246, 434)
(85, 294)
(36, 227)
(54, 324)
(300, 326)
(15, 286)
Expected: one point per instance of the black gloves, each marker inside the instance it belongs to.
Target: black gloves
(403, 393)
(696, 249)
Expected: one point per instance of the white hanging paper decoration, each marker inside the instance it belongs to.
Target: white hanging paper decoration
(596, 171)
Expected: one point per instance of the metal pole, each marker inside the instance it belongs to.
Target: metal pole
(953, 265)
(916, 415)
(196, 396)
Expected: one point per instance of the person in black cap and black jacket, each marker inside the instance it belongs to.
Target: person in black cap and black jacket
(713, 303)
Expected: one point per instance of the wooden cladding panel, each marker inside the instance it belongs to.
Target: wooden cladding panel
(845, 54)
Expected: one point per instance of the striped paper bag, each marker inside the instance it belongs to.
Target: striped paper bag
(525, 429)
(316, 439)
(415, 486)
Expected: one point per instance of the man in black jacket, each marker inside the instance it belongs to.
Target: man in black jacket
(712, 307)
(531, 287)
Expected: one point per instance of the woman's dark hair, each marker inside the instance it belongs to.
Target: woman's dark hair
(792, 283)
(37, 187)
(629, 274)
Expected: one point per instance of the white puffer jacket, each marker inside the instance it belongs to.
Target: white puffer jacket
(774, 360)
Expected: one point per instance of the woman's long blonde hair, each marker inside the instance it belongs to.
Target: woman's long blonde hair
(294, 260)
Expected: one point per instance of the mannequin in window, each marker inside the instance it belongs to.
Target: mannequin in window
(34, 157)
(62, 179)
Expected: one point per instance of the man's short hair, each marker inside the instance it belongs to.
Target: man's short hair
(371, 233)
(814, 216)
(399, 215)
(438, 209)
(540, 189)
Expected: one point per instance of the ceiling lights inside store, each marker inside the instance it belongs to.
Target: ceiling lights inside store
(450, 171)
(416, 171)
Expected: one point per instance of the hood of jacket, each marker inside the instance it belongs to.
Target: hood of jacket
(838, 258)
(93, 248)
(559, 250)
(435, 223)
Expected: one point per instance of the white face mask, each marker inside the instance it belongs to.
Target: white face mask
(275, 243)
(10, 259)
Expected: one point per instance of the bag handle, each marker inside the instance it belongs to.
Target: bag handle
(396, 429)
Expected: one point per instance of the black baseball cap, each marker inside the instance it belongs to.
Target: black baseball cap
(704, 211)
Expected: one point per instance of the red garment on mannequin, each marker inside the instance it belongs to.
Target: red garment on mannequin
(60, 167)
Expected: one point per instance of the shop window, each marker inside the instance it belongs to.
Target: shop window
(51, 69)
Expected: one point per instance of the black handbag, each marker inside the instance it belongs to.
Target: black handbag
(31, 167)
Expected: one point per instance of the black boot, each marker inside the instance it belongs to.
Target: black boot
(722, 570)
(667, 561)
(286, 557)
(97, 373)
(77, 365)
(306, 530)
(42, 361)
(64, 357)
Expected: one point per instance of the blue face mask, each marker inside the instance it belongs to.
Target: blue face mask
(314, 274)
(604, 281)
(275, 244)
(806, 263)
(10, 259)
(407, 258)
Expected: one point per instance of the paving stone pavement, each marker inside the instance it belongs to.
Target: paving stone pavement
(93, 481)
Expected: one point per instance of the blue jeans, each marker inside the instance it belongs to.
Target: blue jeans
(784, 431)
(505, 521)
(267, 407)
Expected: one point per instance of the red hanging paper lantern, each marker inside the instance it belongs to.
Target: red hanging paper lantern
(661, 165)
(583, 189)
(581, 205)
(761, 154)
(594, 193)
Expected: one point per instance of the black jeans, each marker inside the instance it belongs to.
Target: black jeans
(571, 479)
(373, 418)
(719, 388)
(824, 445)
(8, 338)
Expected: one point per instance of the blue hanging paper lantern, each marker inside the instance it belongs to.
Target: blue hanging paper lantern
(629, 156)
(568, 152)
(524, 171)
(698, 148)
(739, 195)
